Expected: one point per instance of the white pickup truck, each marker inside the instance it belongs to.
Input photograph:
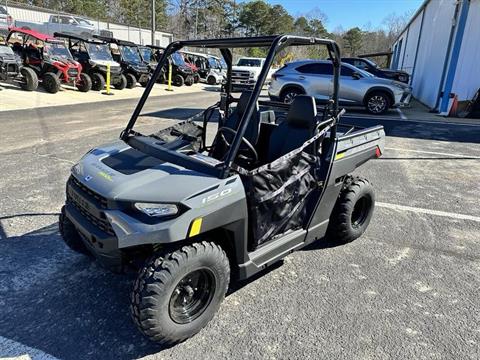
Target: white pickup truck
(65, 24)
(245, 73)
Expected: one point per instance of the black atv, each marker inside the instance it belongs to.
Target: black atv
(127, 54)
(182, 74)
(94, 55)
(12, 70)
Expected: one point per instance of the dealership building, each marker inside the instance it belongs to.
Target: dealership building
(440, 49)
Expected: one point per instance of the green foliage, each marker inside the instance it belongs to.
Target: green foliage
(353, 40)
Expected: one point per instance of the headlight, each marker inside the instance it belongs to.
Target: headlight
(157, 210)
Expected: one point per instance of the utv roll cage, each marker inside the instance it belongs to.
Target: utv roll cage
(152, 147)
(77, 37)
(111, 40)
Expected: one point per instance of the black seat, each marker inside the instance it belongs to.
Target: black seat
(233, 122)
(298, 127)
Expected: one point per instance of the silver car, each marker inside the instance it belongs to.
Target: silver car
(357, 87)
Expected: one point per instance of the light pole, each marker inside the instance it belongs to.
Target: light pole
(153, 22)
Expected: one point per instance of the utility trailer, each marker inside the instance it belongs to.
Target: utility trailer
(193, 216)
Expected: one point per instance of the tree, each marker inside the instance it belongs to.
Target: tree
(353, 40)
(279, 21)
(254, 17)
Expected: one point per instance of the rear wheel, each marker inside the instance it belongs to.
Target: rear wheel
(178, 80)
(176, 294)
(98, 82)
(51, 82)
(196, 78)
(70, 235)
(85, 83)
(377, 102)
(131, 81)
(144, 82)
(121, 83)
(189, 81)
(211, 80)
(289, 94)
(30, 79)
(353, 210)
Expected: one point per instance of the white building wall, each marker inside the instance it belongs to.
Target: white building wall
(123, 32)
(432, 50)
(408, 58)
(467, 76)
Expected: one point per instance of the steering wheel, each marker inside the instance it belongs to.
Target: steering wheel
(252, 152)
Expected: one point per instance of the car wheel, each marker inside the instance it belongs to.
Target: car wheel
(131, 81)
(85, 83)
(377, 103)
(30, 79)
(353, 210)
(196, 78)
(290, 94)
(176, 294)
(98, 82)
(51, 82)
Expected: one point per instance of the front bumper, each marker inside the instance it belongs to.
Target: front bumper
(402, 99)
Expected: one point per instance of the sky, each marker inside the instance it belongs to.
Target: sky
(350, 13)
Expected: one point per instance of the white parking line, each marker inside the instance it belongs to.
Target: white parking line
(373, 117)
(427, 211)
(402, 115)
(434, 153)
(10, 349)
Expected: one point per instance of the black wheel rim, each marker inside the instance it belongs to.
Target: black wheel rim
(192, 296)
(360, 212)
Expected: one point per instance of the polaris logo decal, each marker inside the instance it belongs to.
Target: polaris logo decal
(88, 178)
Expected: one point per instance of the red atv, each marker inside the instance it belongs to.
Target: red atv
(49, 58)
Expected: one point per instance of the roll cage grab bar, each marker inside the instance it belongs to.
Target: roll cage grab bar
(275, 44)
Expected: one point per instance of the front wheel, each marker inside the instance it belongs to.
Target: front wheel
(211, 80)
(121, 83)
(30, 79)
(178, 80)
(353, 210)
(175, 295)
(377, 103)
(131, 81)
(289, 94)
(51, 82)
(85, 83)
(98, 82)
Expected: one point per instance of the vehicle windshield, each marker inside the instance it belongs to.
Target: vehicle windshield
(146, 54)
(177, 59)
(57, 50)
(223, 64)
(250, 62)
(214, 63)
(99, 52)
(371, 63)
(83, 21)
(130, 53)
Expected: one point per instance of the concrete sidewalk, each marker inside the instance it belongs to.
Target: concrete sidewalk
(418, 111)
(14, 98)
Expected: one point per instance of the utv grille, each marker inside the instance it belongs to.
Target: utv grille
(94, 216)
(72, 72)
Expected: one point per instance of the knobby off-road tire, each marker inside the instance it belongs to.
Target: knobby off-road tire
(178, 80)
(51, 82)
(85, 83)
(121, 83)
(131, 81)
(70, 235)
(353, 210)
(30, 79)
(98, 82)
(164, 287)
(211, 80)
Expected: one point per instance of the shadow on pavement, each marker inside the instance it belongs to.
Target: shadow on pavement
(64, 304)
(420, 130)
(177, 114)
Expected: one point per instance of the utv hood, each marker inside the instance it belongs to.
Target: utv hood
(119, 172)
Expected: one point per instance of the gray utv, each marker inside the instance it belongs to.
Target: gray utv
(193, 218)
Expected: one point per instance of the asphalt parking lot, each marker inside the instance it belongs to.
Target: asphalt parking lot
(407, 289)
